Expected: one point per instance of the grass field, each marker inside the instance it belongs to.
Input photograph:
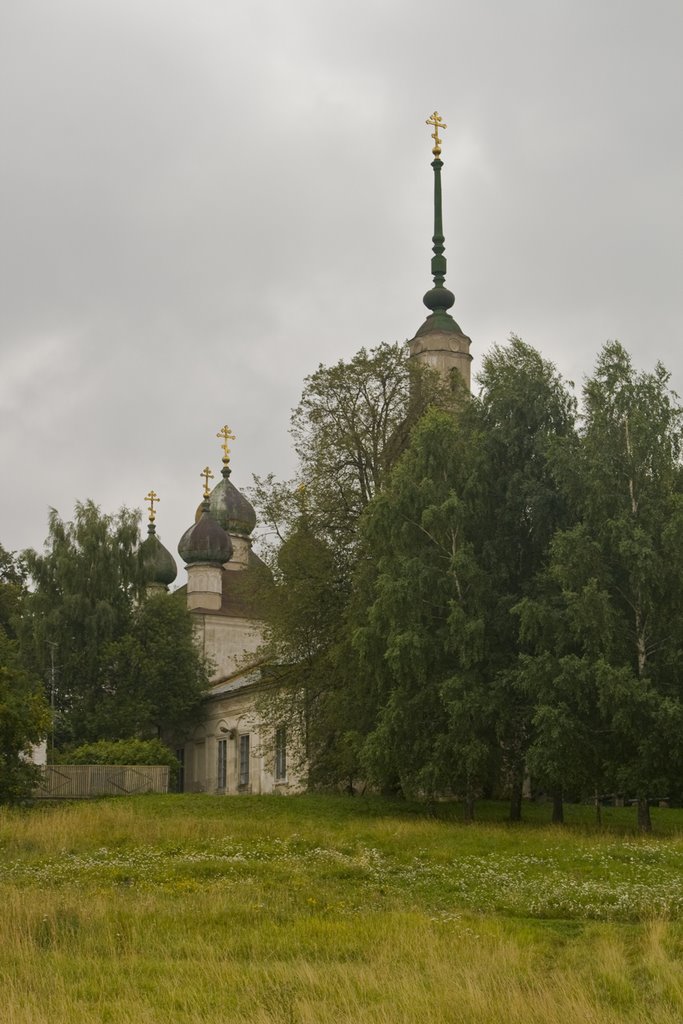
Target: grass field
(328, 910)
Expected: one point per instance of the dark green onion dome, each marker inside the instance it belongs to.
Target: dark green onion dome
(230, 508)
(205, 541)
(305, 558)
(157, 562)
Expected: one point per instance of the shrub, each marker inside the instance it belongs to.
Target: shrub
(129, 751)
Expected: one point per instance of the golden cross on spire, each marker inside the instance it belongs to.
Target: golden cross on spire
(437, 122)
(227, 435)
(153, 499)
(207, 475)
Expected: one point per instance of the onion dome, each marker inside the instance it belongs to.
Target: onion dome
(228, 506)
(157, 563)
(205, 541)
(306, 559)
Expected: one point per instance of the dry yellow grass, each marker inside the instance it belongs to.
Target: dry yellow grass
(265, 939)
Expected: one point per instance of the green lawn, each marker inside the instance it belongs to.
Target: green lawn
(327, 910)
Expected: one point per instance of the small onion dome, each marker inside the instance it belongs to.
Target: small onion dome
(205, 541)
(157, 562)
(230, 508)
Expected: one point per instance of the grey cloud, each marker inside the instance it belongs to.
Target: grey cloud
(200, 202)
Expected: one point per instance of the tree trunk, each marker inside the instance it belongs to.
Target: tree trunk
(516, 796)
(598, 809)
(644, 819)
(469, 807)
(558, 806)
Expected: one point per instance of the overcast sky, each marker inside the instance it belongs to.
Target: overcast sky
(202, 200)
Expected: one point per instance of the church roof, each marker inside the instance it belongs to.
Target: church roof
(439, 322)
(241, 679)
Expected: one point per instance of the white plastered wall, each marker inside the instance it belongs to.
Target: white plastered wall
(228, 718)
(227, 642)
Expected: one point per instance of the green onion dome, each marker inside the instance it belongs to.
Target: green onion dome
(230, 508)
(205, 541)
(306, 559)
(157, 563)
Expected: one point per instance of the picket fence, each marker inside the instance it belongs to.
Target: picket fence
(82, 781)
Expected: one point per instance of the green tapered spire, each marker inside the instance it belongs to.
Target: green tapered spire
(439, 299)
(439, 343)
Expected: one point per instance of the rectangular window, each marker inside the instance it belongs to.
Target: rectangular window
(180, 780)
(244, 760)
(281, 753)
(201, 768)
(222, 765)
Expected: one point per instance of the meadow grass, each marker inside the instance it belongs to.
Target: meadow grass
(327, 910)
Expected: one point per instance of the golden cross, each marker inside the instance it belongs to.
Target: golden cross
(437, 122)
(301, 497)
(227, 435)
(152, 499)
(208, 475)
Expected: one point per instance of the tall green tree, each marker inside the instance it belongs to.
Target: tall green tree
(12, 589)
(153, 677)
(351, 423)
(303, 604)
(24, 723)
(83, 587)
(571, 738)
(116, 663)
(353, 420)
(620, 573)
(476, 494)
(419, 632)
(523, 434)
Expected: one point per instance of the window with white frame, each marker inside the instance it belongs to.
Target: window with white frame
(280, 753)
(222, 765)
(244, 761)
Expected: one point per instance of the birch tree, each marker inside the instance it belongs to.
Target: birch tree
(620, 570)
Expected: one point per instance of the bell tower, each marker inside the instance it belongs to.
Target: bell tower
(439, 342)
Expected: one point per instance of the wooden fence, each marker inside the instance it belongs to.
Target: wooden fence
(81, 781)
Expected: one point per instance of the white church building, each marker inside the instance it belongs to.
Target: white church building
(233, 751)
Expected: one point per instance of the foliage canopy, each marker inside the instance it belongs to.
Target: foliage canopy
(124, 664)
